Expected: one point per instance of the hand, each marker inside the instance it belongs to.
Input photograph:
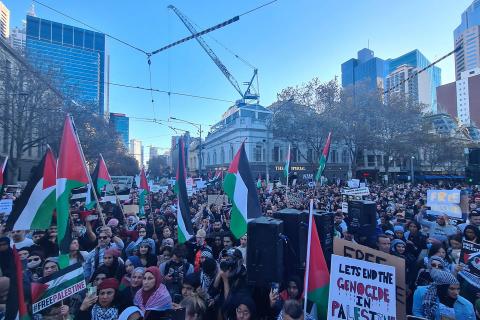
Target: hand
(64, 309)
(168, 278)
(273, 297)
(88, 302)
(458, 268)
(176, 306)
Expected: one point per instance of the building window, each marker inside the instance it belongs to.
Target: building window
(56, 32)
(208, 158)
(276, 153)
(371, 160)
(214, 157)
(309, 155)
(345, 156)
(222, 155)
(45, 30)
(333, 156)
(379, 160)
(231, 153)
(257, 153)
(360, 158)
(67, 35)
(294, 155)
(33, 27)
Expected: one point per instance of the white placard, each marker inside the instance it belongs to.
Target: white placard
(356, 192)
(362, 288)
(345, 207)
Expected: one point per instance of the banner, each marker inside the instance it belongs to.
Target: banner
(356, 192)
(57, 287)
(349, 249)
(122, 183)
(470, 259)
(361, 288)
(444, 202)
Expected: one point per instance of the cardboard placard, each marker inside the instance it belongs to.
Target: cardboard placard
(131, 208)
(349, 249)
(365, 287)
(218, 199)
(470, 259)
(444, 202)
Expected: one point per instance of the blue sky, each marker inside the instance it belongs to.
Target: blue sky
(289, 42)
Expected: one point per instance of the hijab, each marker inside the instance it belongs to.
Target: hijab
(438, 292)
(157, 298)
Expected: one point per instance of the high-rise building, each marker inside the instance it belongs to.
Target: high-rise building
(466, 39)
(75, 59)
(18, 38)
(121, 124)
(461, 99)
(153, 152)
(136, 150)
(4, 21)
(366, 72)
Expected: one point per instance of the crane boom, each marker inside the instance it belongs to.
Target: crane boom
(208, 50)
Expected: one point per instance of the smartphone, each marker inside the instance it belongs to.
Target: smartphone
(275, 287)
(91, 291)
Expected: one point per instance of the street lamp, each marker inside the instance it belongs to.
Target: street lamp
(411, 168)
(199, 127)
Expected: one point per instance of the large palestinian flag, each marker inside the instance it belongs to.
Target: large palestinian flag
(57, 287)
(33, 210)
(16, 308)
(184, 221)
(71, 174)
(240, 189)
(100, 179)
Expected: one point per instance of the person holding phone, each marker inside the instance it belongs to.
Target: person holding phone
(102, 305)
(293, 291)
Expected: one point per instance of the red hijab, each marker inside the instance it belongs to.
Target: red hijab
(158, 280)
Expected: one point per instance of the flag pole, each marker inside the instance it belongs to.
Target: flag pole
(287, 163)
(4, 165)
(307, 269)
(84, 161)
(114, 190)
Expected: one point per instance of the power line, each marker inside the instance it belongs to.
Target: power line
(91, 27)
(257, 8)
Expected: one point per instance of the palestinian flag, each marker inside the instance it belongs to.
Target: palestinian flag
(143, 192)
(100, 179)
(16, 306)
(323, 158)
(71, 174)
(3, 172)
(184, 221)
(287, 164)
(318, 278)
(240, 189)
(259, 182)
(33, 210)
(57, 287)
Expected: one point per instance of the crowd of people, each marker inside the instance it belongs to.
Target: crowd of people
(136, 269)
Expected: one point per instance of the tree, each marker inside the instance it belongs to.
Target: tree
(158, 167)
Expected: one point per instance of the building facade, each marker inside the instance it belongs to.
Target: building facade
(153, 152)
(136, 150)
(461, 99)
(121, 124)
(4, 21)
(76, 59)
(466, 39)
(266, 154)
(366, 72)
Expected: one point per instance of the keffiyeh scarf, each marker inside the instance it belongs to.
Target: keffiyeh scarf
(100, 313)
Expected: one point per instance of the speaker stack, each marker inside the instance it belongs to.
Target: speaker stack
(265, 251)
(472, 171)
(362, 218)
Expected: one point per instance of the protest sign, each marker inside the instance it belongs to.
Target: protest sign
(131, 209)
(218, 199)
(349, 249)
(344, 207)
(123, 184)
(353, 183)
(356, 192)
(57, 287)
(189, 183)
(470, 259)
(360, 287)
(6, 205)
(444, 202)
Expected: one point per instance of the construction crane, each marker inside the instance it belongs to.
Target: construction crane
(249, 94)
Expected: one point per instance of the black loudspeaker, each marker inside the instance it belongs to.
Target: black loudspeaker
(474, 156)
(362, 217)
(265, 251)
(296, 232)
(472, 173)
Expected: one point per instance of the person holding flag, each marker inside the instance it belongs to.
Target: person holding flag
(100, 179)
(323, 158)
(143, 192)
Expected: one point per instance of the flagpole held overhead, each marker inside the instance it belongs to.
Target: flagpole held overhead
(309, 243)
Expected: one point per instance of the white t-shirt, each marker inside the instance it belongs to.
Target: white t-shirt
(22, 244)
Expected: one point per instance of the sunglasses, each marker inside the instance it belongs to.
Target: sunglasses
(33, 259)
